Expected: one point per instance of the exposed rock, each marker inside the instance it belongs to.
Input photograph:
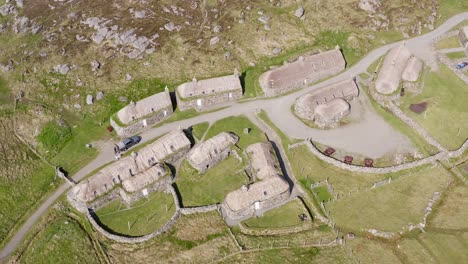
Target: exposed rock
(99, 95)
(264, 19)
(299, 12)
(169, 26)
(89, 99)
(370, 6)
(123, 99)
(21, 25)
(3, 28)
(79, 82)
(227, 55)
(214, 40)
(35, 28)
(8, 9)
(71, 15)
(95, 65)
(140, 14)
(43, 54)
(77, 106)
(128, 77)
(81, 38)
(62, 68)
(9, 67)
(277, 50)
(19, 3)
(217, 29)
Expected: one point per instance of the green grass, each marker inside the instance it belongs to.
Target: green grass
(414, 251)
(236, 124)
(453, 211)
(63, 240)
(284, 216)
(456, 55)
(212, 186)
(448, 43)
(372, 251)
(446, 96)
(5, 96)
(54, 136)
(143, 217)
(199, 130)
(392, 206)
(446, 248)
(448, 8)
(322, 193)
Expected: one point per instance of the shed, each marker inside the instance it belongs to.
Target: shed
(412, 70)
(145, 107)
(392, 68)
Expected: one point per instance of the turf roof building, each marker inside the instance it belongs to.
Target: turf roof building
(412, 70)
(146, 112)
(271, 191)
(304, 71)
(203, 94)
(392, 69)
(209, 153)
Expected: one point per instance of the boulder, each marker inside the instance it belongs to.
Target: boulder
(77, 106)
(123, 99)
(128, 77)
(264, 19)
(299, 12)
(140, 14)
(214, 40)
(169, 26)
(277, 50)
(99, 96)
(89, 99)
(95, 65)
(62, 68)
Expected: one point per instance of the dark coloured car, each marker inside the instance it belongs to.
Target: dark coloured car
(461, 65)
(128, 143)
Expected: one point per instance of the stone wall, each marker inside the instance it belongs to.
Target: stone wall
(209, 101)
(199, 209)
(132, 129)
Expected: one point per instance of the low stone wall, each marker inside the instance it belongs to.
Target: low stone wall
(209, 101)
(275, 231)
(199, 209)
(132, 129)
(390, 169)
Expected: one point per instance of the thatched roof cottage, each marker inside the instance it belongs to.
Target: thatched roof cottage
(393, 66)
(303, 71)
(203, 94)
(212, 151)
(329, 115)
(263, 161)
(412, 70)
(145, 178)
(146, 112)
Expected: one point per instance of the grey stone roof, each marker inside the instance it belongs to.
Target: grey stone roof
(144, 107)
(209, 86)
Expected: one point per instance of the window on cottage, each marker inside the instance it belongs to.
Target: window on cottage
(152, 109)
(133, 118)
(172, 147)
(265, 193)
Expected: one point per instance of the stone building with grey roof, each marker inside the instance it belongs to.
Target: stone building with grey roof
(270, 191)
(304, 71)
(328, 105)
(205, 94)
(136, 171)
(147, 112)
(210, 152)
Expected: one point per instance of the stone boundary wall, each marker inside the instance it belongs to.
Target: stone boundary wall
(390, 169)
(208, 101)
(274, 232)
(199, 209)
(446, 35)
(134, 128)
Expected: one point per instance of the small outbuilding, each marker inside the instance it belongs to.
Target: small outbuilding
(392, 68)
(305, 70)
(203, 94)
(329, 115)
(412, 70)
(209, 153)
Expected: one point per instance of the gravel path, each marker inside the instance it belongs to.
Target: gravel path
(368, 137)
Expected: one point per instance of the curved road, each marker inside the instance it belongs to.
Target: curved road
(279, 110)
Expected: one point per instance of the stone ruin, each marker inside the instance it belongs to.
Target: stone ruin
(303, 71)
(327, 106)
(209, 153)
(398, 63)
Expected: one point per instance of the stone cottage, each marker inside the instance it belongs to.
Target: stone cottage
(463, 35)
(305, 70)
(146, 112)
(412, 70)
(328, 105)
(392, 68)
(203, 94)
(145, 178)
(139, 170)
(168, 148)
(247, 201)
(263, 161)
(209, 153)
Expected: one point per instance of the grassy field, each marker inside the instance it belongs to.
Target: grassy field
(236, 124)
(448, 8)
(199, 130)
(448, 43)
(414, 252)
(284, 216)
(212, 186)
(392, 206)
(143, 217)
(446, 248)
(445, 94)
(456, 55)
(453, 212)
(372, 251)
(322, 193)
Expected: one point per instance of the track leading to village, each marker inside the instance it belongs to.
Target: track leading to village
(279, 111)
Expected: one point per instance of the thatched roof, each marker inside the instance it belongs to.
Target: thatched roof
(263, 161)
(162, 148)
(392, 68)
(332, 109)
(260, 191)
(305, 105)
(145, 178)
(312, 67)
(209, 86)
(144, 107)
(412, 70)
(206, 151)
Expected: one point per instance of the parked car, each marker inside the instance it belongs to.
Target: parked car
(128, 143)
(461, 65)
